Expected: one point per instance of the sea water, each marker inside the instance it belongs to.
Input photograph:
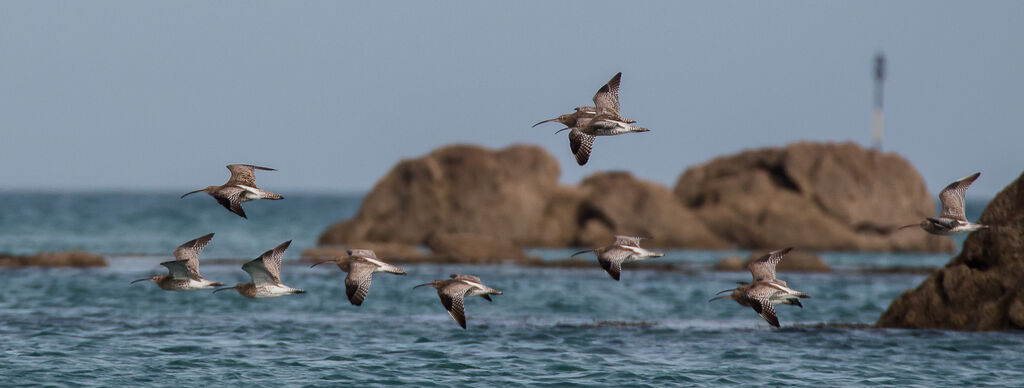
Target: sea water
(552, 327)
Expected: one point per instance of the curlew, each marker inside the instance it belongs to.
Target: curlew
(602, 119)
(360, 265)
(624, 250)
(952, 220)
(183, 271)
(265, 272)
(452, 292)
(766, 291)
(241, 187)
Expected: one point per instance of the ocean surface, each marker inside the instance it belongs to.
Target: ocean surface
(552, 326)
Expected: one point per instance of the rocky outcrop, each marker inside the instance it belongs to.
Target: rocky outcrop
(979, 289)
(460, 189)
(467, 203)
(77, 259)
(495, 202)
(795, 261)
(814, 196)
(614, 203)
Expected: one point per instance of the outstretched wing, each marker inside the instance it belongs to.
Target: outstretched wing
(178, 269)
(952, 197)
(267, 268)
(451, 297)
(628, 241)
(764, 267)
(189, 253)
(231, 198)
(580, 144)
(760, 300)
(357, 283)
(612, 266)
(243, 174)
(362, 253)
(607, 98)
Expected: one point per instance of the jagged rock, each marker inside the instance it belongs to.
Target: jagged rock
(812, 196)
(979, 289)
(618, 203)
(78, 259)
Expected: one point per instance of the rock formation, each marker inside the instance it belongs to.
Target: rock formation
(467, 202)
(78, 259)
(979, 289)
(813, 196)
(494, 202)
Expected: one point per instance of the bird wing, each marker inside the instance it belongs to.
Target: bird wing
(362, 253)
(607, 97)
(231, 198)
(189, 253)
(267, 268)
(760, 301)
(612, 258)
(471, 278)
(243, 174)
(952, 198)
(580, 144)
(628, 241)
(178, 269)
(357, 283)
(451, 297)
(764, 267)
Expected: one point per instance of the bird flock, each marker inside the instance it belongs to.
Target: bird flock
(584, 124)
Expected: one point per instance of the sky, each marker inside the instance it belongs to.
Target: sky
(148, 96)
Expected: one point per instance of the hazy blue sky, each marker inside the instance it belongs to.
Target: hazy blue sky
(161, 95)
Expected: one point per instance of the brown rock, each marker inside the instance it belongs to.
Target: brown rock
(473, 248)
(731, 264)
(463, 189)
(616, 203)
(78, 259)
(812, 196)
(979, 289)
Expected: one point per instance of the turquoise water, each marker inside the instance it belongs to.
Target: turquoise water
(552, 327)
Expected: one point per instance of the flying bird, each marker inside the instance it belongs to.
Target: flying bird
(453, 291)
(952, 220)
(265, 272)
(360, 265)
(625, 249)
(241, 187)
(183, 271)
(602, 119)
(766, 291)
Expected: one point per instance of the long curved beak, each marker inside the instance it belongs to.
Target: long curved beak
(191, 192)
(324, 262)
(141, 280)
(563, 129)
(424, 284)
(719, 297)
(545, 121)
(724, 291)
(225, 288)
(581, 252)
(906, 226)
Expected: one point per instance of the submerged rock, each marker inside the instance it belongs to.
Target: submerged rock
(812, 196)
(77, 259)
(979, 289)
